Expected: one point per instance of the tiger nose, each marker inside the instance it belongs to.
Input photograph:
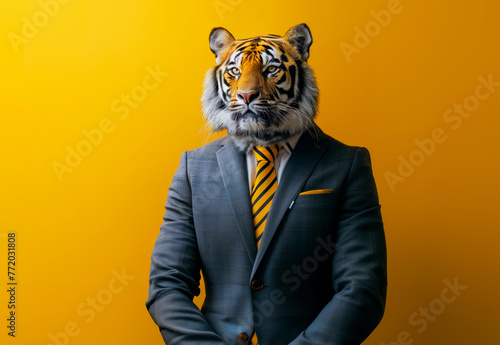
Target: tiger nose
(248, 96)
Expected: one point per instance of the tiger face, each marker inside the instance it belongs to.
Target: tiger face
(262, 90)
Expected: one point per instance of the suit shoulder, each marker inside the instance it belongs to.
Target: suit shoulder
(355, 158)
(340, 148)
(207, 149)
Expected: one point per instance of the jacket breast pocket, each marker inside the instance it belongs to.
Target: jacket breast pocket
(313, 211)
(311, 217)
(315, 200)
(317, 191)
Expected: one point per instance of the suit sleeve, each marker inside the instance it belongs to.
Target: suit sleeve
(175, 271)
(359, 265)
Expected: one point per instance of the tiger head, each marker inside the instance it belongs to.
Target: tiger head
(262, 90)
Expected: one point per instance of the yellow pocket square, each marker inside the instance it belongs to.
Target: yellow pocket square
(317, 191)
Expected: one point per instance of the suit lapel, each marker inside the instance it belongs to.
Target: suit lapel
(299, 167)
(232, 165)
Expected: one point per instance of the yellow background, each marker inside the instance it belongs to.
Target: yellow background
(103, 216)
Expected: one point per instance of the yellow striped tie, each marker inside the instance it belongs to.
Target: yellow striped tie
(264, 187)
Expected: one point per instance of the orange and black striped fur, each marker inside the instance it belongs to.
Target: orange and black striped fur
(262, 90)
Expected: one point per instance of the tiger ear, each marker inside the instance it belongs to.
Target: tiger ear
(220, 39)
(300, 37)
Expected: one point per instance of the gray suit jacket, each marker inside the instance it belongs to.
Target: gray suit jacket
(319, 276)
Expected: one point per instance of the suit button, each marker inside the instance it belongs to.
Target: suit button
(256, 285)
(243, 337)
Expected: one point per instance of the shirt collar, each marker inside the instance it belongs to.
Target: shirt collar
(290, 143)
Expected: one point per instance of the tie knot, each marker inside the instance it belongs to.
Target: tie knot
(267, 153)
